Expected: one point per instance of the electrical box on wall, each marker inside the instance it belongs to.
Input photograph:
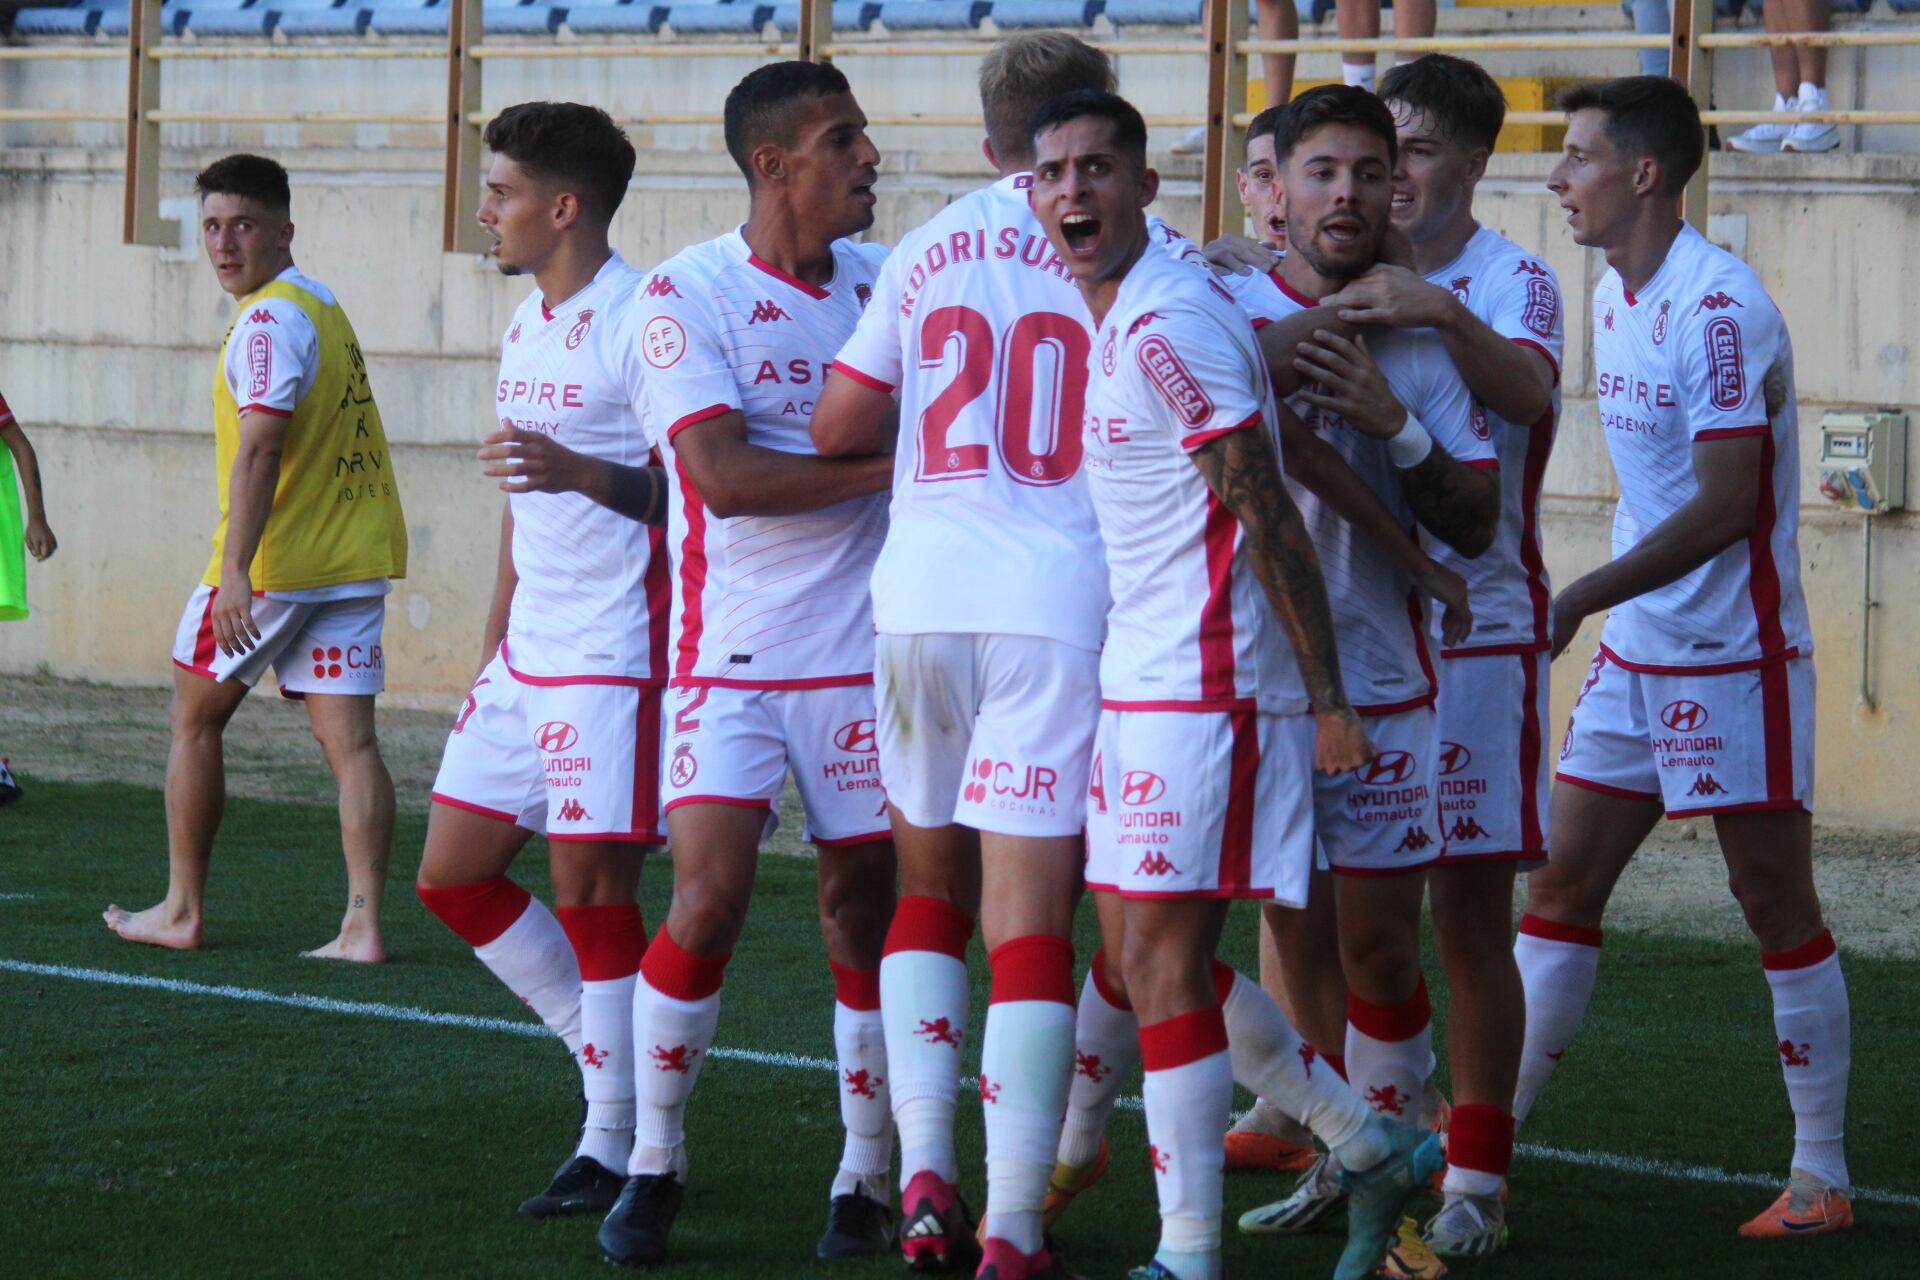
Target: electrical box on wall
(1863, 460)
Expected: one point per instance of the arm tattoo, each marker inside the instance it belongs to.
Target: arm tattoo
(1456, 503)
(1241, 469)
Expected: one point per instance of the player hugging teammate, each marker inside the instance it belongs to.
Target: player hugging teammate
(1193, 586)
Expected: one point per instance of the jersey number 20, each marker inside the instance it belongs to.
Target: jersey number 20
(1019, 353)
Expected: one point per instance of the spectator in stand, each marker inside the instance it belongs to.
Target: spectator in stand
(1799, 74)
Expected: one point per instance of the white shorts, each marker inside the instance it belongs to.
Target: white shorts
(734, 747)
(576, 758)
(1382, 820)
(331, 647)
(1697, 744)
(992, 731)
(1201, 804)
(1492, 765)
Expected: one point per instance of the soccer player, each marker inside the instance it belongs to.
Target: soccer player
(1212, 719)
(309, 538)
(1395, 407)
(18, 537)
(561, 730)
(1497, 308)
(1700, 699)
(772, 662)
(1258, 181)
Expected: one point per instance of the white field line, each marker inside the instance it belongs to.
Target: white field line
(1668, 1169)
(16, 897)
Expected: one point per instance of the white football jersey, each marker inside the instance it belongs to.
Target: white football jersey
(1516, 295)
(593, 585)
(1177, 365)
(1701, 354)
(982, 334)
(1379, 620)
(760, 602)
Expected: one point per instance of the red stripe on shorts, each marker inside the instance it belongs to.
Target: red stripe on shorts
(1236, 830)
(1776, 712)
(1531, 837)
(203, 645)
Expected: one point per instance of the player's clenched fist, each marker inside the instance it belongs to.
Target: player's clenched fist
(1340, 742)
(1350, 384)
(528, 462)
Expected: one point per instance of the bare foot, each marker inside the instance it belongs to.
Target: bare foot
(155, 926)
(365, 950)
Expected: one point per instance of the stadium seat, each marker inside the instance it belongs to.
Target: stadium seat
(1906, 6)
(1046, 13)
(526, 18)
(71, 21)
(322, 18)
(848, 15)
(619, 17)
(399, 18)
(115, 18)
(227, 18)
(934, 15)
(718, 19)
(1134, 13)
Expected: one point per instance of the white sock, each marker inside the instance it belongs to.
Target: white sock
(1558, 964)
(1189, 1094)
(536, 962)
(1268, 1059)
(1358, 73)
(676, 1007)
(866, 1107)
(1106, 1047)
(606, 1070)
(1812, 97)
(923, 1004)
(1812, 1020)
(1026, 1065)
(1389, 1051)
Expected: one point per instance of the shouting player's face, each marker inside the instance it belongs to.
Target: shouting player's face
(247, 243)
(1595, 182)
(1339, 185)
(832, 165)
(1259, 186)
(1431, 176)
(1089, 194)
(522, 221)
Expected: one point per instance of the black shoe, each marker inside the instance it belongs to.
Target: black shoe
(857, 1226)
(10, 789)
(583, 1185)
(635, 1231)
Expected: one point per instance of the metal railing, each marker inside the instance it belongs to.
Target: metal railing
(1225, 45)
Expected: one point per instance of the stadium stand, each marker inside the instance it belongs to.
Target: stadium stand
(848, 15)
(741, 18)
(614, 17)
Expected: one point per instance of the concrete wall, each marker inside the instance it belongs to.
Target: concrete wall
(106, 353)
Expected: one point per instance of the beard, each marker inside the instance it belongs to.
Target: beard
(1335, 269)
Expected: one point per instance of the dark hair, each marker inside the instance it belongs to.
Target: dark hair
(1332, 104)
(1457, 95)
(1023, 71)
(760, 108)
(1648, 116)
(577, 148)
(1129, 130)
(253, 178)
(1261, 126)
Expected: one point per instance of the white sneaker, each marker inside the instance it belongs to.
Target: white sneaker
(1193, 143)
(1767, 137)
(1810, 136)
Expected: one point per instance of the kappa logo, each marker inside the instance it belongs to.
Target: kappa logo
(1607, 322)
(573, 811)
(1090, 1066)
(768, 311)
(863, 294)
(1157, 1158)
(1453, 758)
(1416, 839)
(262, 316)
(1719, 302)
(1529, 268)
(1543, 306)
(1791, 1057)
(1170, 378)
(1705, 784)
(1460, 286)
(1387, 1099)
(989, 1091)
(1660, 321)
(578, 334)
(1388, 769)
(1307, 1054)
(856, 737)
(682, 768)
(863, 1083)
(472, 704)
(1138, 787)
(1683, 715)
(555, 736)
(1155, 863)
(677, 1058)
(663, 342)
(1726, 380)
(259, 364)
(1468, 828)
(661, 287)
(593, 1057)
(937, 1031)
(513, 334)
(1146, 318)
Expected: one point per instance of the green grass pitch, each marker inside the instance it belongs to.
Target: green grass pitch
(152, 1133)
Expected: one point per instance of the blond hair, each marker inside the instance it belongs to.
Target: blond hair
(1023, 72)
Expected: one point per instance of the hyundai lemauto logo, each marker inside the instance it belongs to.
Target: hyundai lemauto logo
(1140, 787)
(1683, 716)
(555, 736)
(1390, 770)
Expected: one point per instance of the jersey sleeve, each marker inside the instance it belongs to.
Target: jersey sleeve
(628, 367)
(1524, 306)
(872, 356)
(1727, 343)
(688, 378)
(1194, 378)
(1447, 409)
(272, 357)
(1176, 245)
